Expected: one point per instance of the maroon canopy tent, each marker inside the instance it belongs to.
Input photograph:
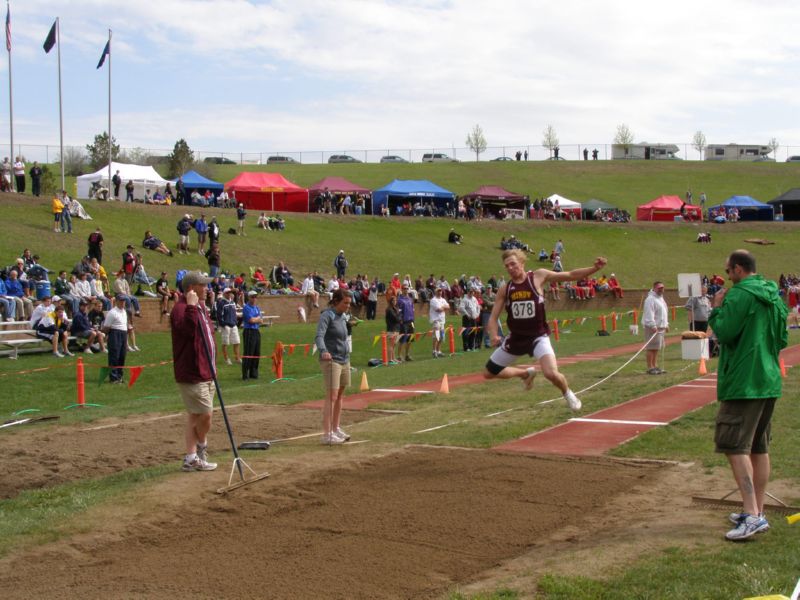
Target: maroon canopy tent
(666, 208)
(339, 186)
(268, 191)
(495, 198)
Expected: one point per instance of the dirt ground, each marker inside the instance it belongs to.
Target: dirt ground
(358, 521)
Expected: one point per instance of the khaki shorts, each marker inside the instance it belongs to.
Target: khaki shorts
(657, 342)
(335, 375)
(197, 397)
(230, 335)
(743, 426)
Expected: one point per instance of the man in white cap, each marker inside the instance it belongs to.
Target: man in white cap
(340, 262)
(194, 364)
(241, 213)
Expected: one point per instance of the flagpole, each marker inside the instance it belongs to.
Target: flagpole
(109, 114)
(10, 89)
(60, 109)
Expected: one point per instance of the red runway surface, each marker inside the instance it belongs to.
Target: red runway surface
(364, 399)
(595, 434)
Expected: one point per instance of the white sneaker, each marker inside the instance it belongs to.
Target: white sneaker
(130, 349)
(747, 526)
(528, 381)
(736, 517)
(58, 354)
(137, 349)
(342, 434)
(88, 351)
(331, 438)
(105, 350)
(572, 400)
(69, 353)
(228, 361)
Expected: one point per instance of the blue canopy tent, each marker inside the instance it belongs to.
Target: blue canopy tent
(192, 180)
(400, 191)
(749, 208)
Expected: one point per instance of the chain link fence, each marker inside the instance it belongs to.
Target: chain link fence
(48, 154)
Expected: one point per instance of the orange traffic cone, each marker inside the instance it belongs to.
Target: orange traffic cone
(702, 370)
(364, 385)
(783, 368)
(445, 388)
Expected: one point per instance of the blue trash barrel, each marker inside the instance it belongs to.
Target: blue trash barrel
(42, 289)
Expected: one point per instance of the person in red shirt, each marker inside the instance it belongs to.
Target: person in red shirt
(192, 345)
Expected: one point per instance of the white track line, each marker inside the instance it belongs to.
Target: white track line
(617, 421)
(438, 427)
(397, 391)
(702, 387)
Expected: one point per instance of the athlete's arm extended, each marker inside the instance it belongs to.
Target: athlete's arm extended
(542, 276)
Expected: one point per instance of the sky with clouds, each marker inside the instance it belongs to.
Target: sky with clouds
(344, 75)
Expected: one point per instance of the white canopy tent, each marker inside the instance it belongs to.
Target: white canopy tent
(567, 205)
(143, 177)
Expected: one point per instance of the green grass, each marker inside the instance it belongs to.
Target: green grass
(638, 253)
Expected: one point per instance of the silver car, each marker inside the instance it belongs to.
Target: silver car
(393, 159)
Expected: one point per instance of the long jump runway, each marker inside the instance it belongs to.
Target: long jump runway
(595, 434)
(364, 399)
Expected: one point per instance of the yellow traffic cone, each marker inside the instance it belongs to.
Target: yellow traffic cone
(702, 370)
(364, 385)
(445, 387)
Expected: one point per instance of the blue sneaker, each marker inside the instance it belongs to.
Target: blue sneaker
(734, 518)
(748, 526)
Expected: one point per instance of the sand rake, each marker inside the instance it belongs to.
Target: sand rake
(777, 505)
(238, 461)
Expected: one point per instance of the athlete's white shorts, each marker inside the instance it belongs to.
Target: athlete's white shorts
(541, 346)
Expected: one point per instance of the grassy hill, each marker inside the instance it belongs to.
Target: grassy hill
(638, 252)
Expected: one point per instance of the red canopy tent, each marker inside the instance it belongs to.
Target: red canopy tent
(666, 208)
(268, 191)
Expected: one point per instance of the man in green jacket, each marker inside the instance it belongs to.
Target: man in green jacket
(750, 323)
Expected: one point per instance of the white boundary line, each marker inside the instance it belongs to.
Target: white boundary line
(617, 421)
(399, 391)
(439, 427)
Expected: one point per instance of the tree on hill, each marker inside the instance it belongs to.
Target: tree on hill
(476, 141)
(181, 158)
(98, 151)
(699, 142)
(135, 156)
(550, 139)
(774, 145)
(74, 161)
(624, 137)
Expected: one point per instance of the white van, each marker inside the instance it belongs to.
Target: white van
(437, 157)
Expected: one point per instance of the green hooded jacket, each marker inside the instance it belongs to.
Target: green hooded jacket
(751, 329)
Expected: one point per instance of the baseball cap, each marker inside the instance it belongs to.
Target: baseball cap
(226, 290)
(195, 278)
(56, 298)
(252, 293)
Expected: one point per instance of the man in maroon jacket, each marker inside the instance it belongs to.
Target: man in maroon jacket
(194, 373)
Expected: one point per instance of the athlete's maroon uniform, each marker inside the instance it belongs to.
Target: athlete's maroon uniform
(525, 316)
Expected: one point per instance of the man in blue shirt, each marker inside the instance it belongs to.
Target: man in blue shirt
(406, 307)
(251, 320)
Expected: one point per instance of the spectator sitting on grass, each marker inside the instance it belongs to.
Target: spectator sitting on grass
(263, 222)
(453, 237)
(151, 242)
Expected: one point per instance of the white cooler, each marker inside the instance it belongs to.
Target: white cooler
(694, 349)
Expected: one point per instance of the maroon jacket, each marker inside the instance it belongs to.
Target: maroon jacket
(189, 323)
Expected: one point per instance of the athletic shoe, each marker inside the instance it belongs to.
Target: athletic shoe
(572, 400)
(528, 381)
(88, 351)
(736, 517)
(331, 438)
(130, 349)
(137, 349)
(228, 361)
(409, 359)
(747, 527)
(653, 371)
(342, 434)
(661, 371)
(58, 354)
(69, 353)
(202, 452)
(105, 350)
(198, 464)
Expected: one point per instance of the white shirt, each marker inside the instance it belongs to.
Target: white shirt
(655, 311)
(438, 303)
(333, 284)
(42, 311)
(470, 307)
(84, 288)
(308, 285)
(116, 318)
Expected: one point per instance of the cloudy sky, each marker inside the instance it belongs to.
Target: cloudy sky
(347, 75)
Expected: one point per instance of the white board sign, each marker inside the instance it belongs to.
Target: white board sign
(689, 285)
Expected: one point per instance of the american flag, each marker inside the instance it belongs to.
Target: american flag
(8, 28)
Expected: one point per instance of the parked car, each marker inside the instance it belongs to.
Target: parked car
(793, 159)
(393, 159)
(503, 159)
(342, 158)
(556, 158)
(278, 160)
(218, 160)
(437, 157)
